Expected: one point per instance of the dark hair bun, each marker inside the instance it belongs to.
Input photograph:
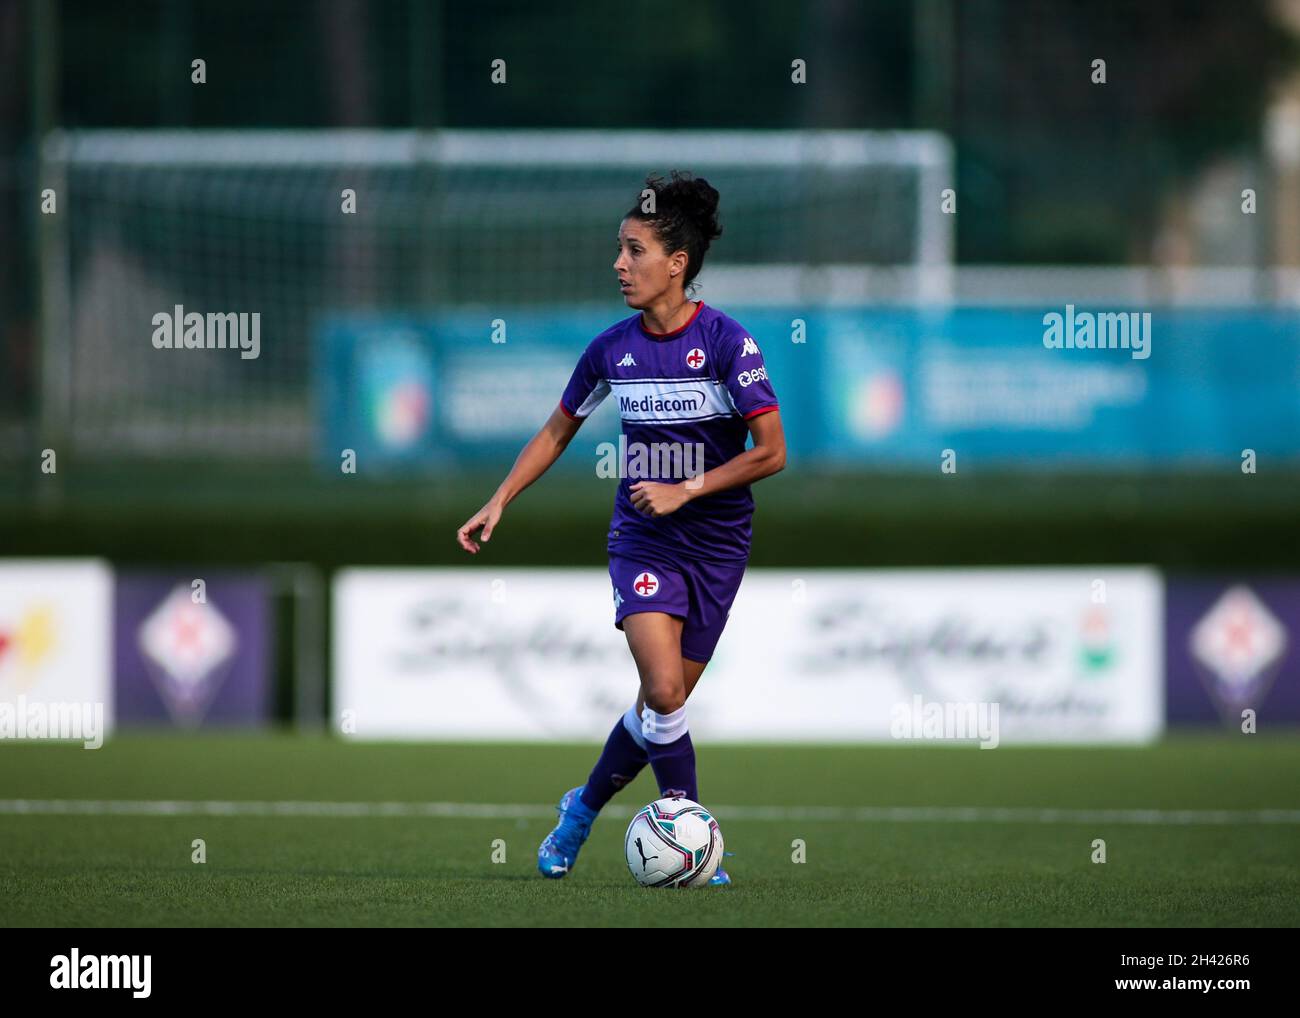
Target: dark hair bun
(685, 216)
(695, 197)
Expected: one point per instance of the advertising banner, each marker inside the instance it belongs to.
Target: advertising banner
(1233, 645)
(190, 654)
(409, 392)
(997, 655)
(56, 647)
(994, 384)
(888, 387)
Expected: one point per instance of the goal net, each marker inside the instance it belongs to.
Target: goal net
(257, 222)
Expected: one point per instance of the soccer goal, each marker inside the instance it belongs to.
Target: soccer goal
(298, 225)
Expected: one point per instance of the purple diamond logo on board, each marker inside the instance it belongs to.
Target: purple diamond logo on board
(1238, 645)
(185, 646)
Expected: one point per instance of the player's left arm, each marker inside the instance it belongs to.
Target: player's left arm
(750, 393)
(764, 458)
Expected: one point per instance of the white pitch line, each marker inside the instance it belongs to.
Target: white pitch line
(494, 811)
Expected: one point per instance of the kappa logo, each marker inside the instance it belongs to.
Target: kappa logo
(618, 599)
(646, 585)
(628, 361)
(695, 358)
(749, 347)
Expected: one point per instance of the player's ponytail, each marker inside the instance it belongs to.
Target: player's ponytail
(685, 216)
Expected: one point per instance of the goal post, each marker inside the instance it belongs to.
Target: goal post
(299, 224)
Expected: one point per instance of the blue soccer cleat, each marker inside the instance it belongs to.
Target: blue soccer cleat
(559, 851)
(720, 878)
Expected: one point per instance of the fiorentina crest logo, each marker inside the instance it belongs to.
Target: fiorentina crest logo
(1238, 646)
(187, 648)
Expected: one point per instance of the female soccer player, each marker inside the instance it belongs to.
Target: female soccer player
(687, 376)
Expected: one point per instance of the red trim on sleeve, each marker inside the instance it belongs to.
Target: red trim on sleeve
(566, 413)
(761, 410)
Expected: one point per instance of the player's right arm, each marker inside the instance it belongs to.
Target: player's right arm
(587, 388)
(542, 450)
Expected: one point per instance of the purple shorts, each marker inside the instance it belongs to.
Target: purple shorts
(699, 593)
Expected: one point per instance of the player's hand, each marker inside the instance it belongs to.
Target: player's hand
(653, 498)
(487, 518)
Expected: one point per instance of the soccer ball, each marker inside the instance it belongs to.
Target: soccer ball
(673, 843)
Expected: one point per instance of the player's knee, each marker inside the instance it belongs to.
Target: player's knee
(665, 698)
(663, 728)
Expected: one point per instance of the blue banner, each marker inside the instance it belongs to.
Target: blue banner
(901, 386)
(1053, 387)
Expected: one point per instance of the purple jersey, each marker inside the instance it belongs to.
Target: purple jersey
(692, 387)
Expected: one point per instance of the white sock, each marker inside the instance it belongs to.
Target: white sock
(632, 722)
(663, 728)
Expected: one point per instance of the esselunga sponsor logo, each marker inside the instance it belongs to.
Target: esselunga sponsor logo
(683, 400)
(748, 378)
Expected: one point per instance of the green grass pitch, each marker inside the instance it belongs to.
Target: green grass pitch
(877, 868)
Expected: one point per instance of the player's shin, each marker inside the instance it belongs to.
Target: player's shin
(672, 756)
(620, 761)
